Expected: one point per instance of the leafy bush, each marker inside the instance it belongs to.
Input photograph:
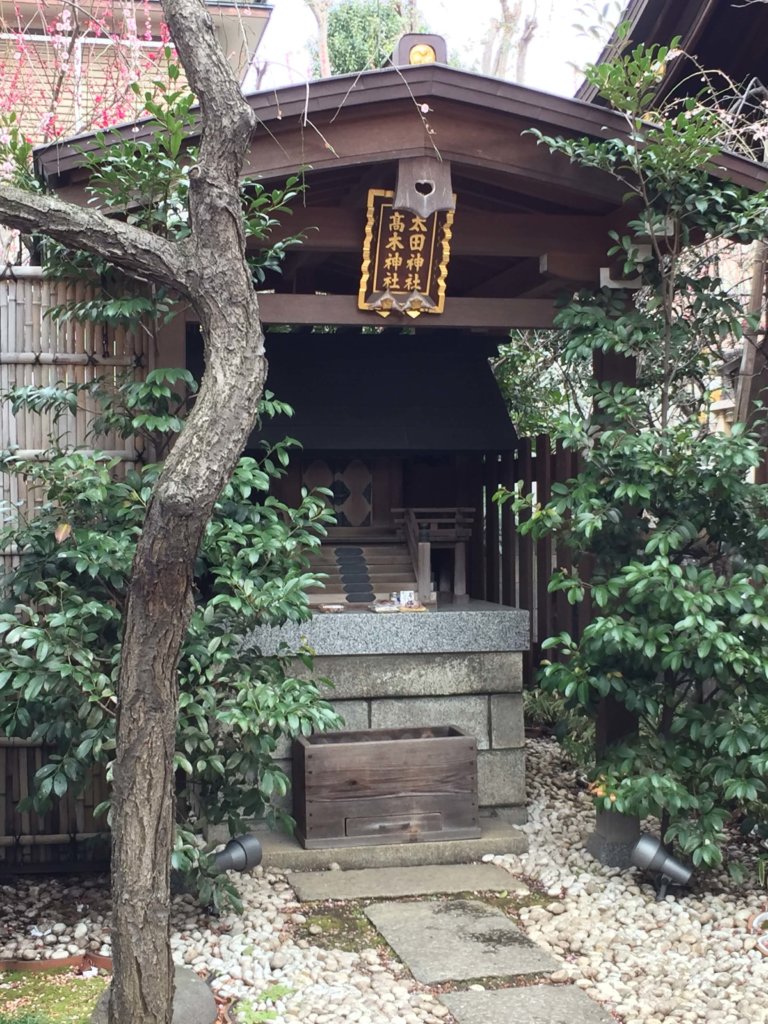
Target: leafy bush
(61, 620)
(668, 536)
(680, 631)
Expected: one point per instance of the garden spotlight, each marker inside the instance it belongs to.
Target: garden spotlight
(649, 854)
(240, 854)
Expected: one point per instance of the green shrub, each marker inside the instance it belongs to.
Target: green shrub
(668, 538)
(61, 620)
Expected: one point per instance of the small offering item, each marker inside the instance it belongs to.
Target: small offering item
(331, 608)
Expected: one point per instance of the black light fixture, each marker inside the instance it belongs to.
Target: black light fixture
(240, 854)
(649, 854)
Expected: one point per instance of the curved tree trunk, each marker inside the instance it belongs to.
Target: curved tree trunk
(159, 606)
(208, 268)
(160, 594)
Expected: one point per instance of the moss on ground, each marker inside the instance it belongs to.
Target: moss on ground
(342, 926)
(48, 997)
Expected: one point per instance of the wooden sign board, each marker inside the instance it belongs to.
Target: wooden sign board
(405, 258)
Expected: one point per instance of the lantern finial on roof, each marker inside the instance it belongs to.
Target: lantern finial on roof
(420, 48)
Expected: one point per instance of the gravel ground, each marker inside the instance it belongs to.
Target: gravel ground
(682, 960)
(675, 962)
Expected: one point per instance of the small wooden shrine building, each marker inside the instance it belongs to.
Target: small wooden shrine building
(433, 224)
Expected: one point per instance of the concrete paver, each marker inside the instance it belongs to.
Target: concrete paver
(457, 940)
(533, 1004)
(387, 883)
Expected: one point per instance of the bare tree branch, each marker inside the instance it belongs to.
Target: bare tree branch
(134, 250)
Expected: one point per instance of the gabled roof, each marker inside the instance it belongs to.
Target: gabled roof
(529, 224)
(428, 110)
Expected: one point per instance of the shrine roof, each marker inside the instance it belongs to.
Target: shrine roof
(722, 35)
(351, 120)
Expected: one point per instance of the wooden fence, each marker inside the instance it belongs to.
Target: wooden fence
(512, 568)
(34, 349)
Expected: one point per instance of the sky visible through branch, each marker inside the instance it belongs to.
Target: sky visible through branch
(556, 46)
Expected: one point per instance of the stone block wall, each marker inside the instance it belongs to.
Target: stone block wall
(478, 691)
(460, 665)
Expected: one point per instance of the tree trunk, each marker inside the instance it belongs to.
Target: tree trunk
(321, 9)
(526, 37)
(159, 607)
(411, 16)
(209, 269)
(752, 372)
(505, 32)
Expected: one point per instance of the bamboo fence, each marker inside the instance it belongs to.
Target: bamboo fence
(66, 836)
(35, 350)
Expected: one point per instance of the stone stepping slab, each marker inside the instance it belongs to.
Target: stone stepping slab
(193, 1001)
(457, 940)
(389, 883)
(533, 1004)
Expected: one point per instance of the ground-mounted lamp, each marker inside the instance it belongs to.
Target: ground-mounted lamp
(649, 854)
(240, 854)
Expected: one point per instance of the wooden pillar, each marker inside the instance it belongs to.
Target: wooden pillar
(492, 542)
(508, 536)
(460, 570)
(476, 566)
(543, 475)
(525, 557)
(564, 616)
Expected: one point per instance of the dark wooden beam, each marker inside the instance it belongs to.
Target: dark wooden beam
(475, 233)
(520, 277)
(534, 276)
(341, 310)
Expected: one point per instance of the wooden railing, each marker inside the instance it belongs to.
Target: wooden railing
(509, 567)
(425, 528)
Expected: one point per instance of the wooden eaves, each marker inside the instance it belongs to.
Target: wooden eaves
(725, 36)
(528, 225)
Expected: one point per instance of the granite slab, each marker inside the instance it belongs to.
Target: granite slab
(283, 851)
(457, 940)
(529, 1004)
(455, 628)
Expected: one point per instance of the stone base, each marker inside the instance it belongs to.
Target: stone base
(614, 838)
(282, 851)
(455, 665)
(193, 1001)
(514, 814)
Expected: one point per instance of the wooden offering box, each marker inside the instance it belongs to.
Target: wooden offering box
(371, 787)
